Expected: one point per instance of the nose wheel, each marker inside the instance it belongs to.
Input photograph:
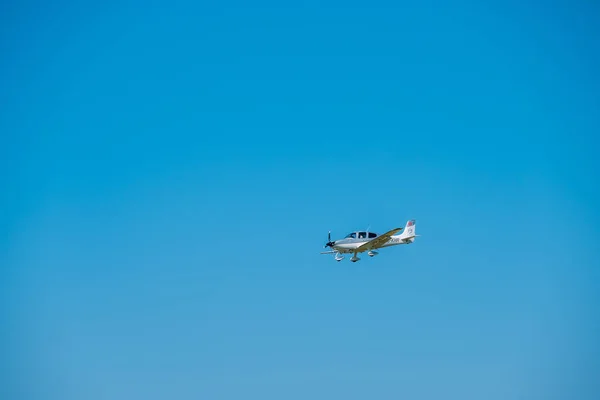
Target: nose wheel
(338, 257)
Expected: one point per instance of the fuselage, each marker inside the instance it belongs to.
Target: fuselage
(348, 244)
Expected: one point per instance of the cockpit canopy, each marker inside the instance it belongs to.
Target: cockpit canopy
(361, 235)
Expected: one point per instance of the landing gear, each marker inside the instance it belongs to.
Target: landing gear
(372, 253)
(354, 258)
(338, 257)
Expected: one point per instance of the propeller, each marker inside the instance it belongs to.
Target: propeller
(329, 242)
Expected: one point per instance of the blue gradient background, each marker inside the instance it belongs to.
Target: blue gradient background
(170, 172)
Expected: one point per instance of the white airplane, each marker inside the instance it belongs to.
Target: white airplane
(358, 242)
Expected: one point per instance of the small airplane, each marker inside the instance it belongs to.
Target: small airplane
(358, 242)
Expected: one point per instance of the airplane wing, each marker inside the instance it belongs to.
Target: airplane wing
(378, 241)
(328, 252)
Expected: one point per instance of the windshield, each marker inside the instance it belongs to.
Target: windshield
(351, 235)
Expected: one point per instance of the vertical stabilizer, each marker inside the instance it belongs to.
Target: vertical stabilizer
(409, 230)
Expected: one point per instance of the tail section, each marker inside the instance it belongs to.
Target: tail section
(409, 230)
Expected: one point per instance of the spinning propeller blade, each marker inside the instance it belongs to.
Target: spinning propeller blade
(329, 242)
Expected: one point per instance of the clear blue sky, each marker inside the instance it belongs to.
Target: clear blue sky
(170, 171)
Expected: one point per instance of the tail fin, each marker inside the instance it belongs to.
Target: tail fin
(409, 230)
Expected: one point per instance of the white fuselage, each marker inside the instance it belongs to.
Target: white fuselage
(348, 245)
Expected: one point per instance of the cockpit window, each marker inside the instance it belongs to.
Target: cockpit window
(352, 235)
(362, 235)
(372, 235)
